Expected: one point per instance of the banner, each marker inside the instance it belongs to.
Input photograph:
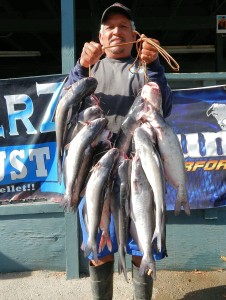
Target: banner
(28, 168)
(199, 119)
(27, 138)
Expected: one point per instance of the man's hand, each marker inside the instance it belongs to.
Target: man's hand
(149, 53)
(91, 53)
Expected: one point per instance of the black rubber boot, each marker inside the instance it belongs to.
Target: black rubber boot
(101, 278)
(142, 285)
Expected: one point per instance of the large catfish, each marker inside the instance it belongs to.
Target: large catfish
(90, 113)
(172, 157)
(96, 188)
(74, 95)
(153, 169)
(131, 122)
(142, 215)
(76, 152)
(120, 209)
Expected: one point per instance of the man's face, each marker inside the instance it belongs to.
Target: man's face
(117, 29)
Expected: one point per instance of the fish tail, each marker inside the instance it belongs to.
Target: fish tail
(158, 237)
(146, 266)
(177, 208)
(186, 208)
(59, 172)
(122, 263)
(109, 244)
(182, 200)
(66, 202)
(105, 240)
(91, 247)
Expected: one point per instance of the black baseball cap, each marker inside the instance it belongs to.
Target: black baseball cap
(116, 8)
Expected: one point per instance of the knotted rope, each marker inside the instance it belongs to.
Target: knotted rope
(169, 59)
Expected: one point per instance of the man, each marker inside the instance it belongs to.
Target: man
(118, 86)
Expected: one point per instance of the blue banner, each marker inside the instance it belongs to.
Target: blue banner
(27, 137)
(28, 142)
(199, 119)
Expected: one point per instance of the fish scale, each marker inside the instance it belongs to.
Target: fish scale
(73, 96)
(95, 194)
(76, 152)
(142, 215)
(172, 157)
(152, 167)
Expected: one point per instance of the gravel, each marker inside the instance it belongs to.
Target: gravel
(48, 285)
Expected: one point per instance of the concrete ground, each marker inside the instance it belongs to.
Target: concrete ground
(46, 285)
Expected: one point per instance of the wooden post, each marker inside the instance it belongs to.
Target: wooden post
(72, 245)
(68, 61)
(68, 35)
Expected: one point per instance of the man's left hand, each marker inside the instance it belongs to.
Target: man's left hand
(148, 52)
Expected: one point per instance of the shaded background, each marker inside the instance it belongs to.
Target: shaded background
(36, 26)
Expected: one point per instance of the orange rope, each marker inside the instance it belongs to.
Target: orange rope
(169, 59)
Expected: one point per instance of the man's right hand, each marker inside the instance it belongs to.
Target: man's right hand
(91, 53)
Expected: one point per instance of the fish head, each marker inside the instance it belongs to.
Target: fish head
(84, 87)
(152, 94)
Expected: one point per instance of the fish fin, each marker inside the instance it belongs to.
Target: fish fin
(67, 88)
(91, 247)
(102, 243)
(66, 147)
(82, 122)
(66, 201)
(109, 244)
(122, 264)
(147, 267)
(187, 208)
(177, 208)
(82, 247)
(59, 170)
(105, 240)
(157, 236)
(182, 200)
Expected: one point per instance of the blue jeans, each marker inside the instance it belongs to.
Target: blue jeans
(132, 248)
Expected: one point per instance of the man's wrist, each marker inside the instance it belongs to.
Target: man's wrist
(83, 64)
(82, 71)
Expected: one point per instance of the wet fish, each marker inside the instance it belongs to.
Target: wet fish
(88, 135)
(74, 95)
(120, 209)
(152, 167)
(105, 239)
(95, 195)
(131, 122)
(172, 157)
(80, 180)
(142, 215)
(86, 115)
(124, 171)
(152, 94)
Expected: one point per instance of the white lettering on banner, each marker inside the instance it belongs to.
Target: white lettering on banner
(39, 155)
(210, 143)
(47, 124)
(17, 160)
(192, 141)
(23, 115)
(17, 164)
(2, 163)
(13, 189)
